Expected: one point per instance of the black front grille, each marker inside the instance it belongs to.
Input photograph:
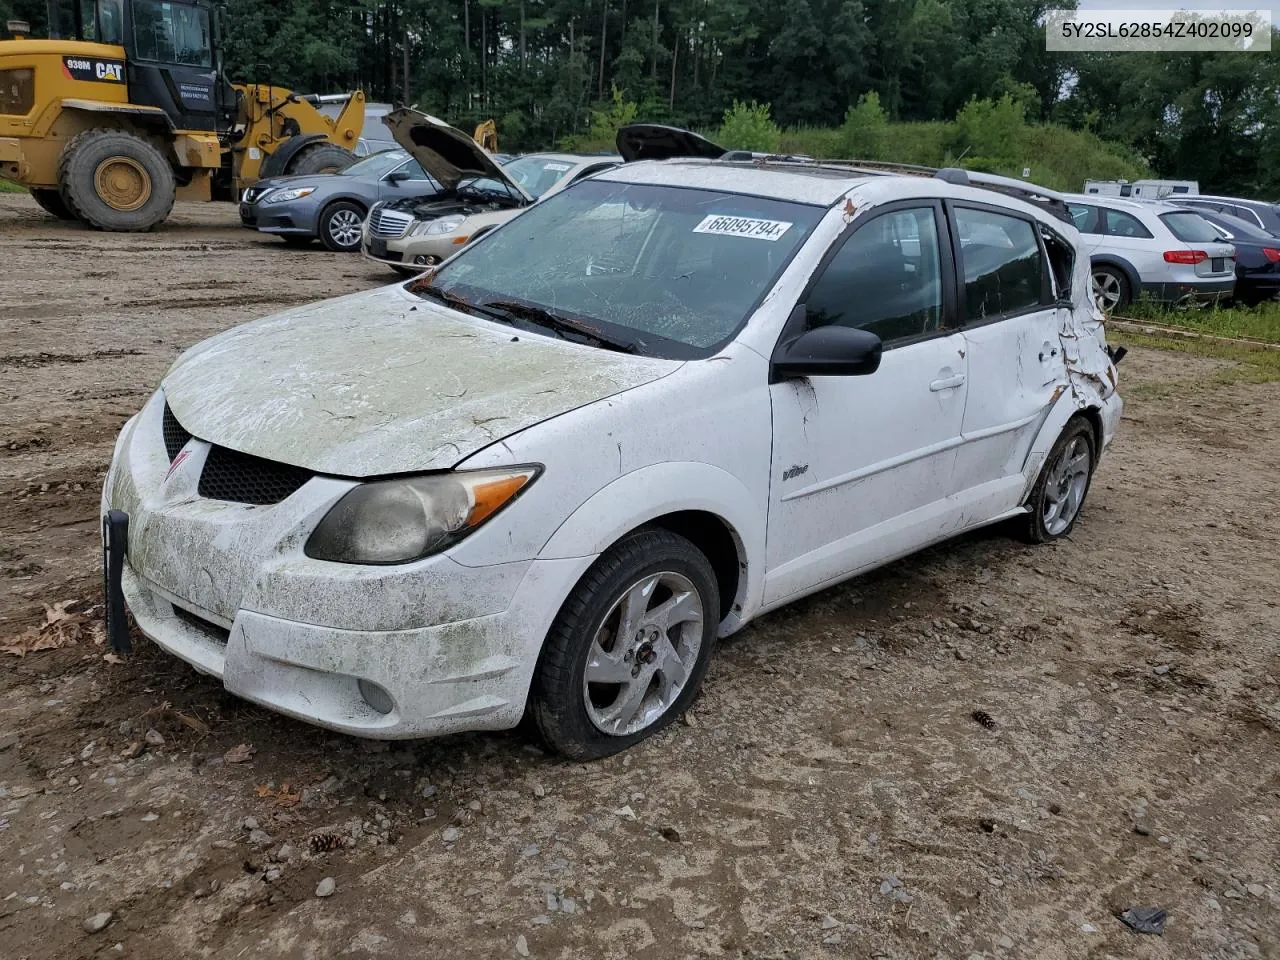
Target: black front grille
(175, 434)
(241, 478)
(215, 632)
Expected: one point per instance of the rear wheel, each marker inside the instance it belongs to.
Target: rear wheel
(1111, 289)
(115, 180)
(51, 202)
(339, 226)
(1058, 496)
(629, 648)
(321, 158)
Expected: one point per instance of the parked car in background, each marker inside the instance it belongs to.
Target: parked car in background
(332, 206)
(1257, 257)
(1258, 212)
(412, 234)
(525, 487)
(1149, 248)
(1141, 189)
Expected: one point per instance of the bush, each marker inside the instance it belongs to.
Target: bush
(865, 131)
(748, 126)
(606, 119)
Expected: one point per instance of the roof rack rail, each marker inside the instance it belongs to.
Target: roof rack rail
(1049, 200)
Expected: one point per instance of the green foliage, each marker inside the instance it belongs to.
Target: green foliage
(864, 133)
(8, 186)
(748, 126)
(994, 129)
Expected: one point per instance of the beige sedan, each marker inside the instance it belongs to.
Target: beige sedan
(410, 235)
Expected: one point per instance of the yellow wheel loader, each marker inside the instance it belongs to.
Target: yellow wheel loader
(126, 109)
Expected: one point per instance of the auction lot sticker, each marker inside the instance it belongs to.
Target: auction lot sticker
(726, 226)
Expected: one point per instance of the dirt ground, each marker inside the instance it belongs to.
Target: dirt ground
(834, 793)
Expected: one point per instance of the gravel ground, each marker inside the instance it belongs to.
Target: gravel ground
(985, 750)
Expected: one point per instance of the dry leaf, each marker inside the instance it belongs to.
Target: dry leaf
(264, 790)
(195, 723)
(62, 627)
(286, 799)
(112, 658)
(239, 754)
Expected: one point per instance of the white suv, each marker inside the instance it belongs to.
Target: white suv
(545, 478)
(1151, 249)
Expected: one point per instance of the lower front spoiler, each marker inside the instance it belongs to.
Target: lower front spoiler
(467, 675)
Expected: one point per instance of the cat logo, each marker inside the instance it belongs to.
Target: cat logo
(109, 71)
(98, 71)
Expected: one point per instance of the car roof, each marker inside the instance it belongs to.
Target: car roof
(575, 157)
(822, 183)
(1215, 198)
(1139, 205)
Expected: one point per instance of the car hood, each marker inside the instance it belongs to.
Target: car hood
(445, 152)
(382, 382)
(654, 141)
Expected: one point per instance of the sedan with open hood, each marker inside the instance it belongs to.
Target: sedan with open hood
(543, 479)
(480, 194)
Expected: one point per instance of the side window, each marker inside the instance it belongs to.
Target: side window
(1126, 190)
(414, 169)
(1084, 217)
(886, 278)
(1062, 262)
(1120, 224)
(1003, 266)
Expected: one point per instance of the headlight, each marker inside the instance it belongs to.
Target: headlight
(396, 521)
(292, 193)
(435, 228)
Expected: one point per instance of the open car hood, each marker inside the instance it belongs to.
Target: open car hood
(445, 152)
(653, 141)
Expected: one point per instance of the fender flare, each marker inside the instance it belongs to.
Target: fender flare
(664, 488)
(151, 115)
(276, 163)
(1124, 266)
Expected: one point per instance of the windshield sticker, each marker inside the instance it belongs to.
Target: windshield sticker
(558, 166)
(743, 227)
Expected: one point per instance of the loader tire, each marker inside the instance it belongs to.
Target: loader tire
(51, 202)
(115, 180)
(321, 158)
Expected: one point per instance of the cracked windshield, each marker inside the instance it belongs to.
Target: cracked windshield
(677, 269)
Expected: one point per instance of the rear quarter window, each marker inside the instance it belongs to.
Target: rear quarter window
(1190, 227)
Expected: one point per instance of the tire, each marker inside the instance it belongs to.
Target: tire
(320, 158)
(1111, 288)
(1057, 499)
(297, 242)
(51, 202)
(589, 721)
(339, 226)
(135, 180)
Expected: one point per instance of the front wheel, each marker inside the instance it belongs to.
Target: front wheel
(115, 180)
(340, 225)
(1058, 496)
(629, 648)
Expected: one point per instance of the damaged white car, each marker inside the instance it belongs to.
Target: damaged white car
(546, 478)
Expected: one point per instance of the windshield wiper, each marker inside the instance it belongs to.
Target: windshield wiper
(563, 325)
(463, 305)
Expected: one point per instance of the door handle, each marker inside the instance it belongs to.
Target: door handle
(947, 383)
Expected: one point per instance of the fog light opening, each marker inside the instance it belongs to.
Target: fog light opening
(376, 697)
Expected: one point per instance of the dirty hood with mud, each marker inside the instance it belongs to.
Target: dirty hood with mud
(382, 382)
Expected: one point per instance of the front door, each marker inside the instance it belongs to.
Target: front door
(862, 465)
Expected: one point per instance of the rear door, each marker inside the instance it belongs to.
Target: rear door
(1010, 324)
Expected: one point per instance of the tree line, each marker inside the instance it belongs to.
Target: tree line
(546, 70)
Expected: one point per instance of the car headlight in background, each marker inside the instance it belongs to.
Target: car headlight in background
(438, 227)
(291, 193)
(396, 521)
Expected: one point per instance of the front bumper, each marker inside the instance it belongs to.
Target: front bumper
(471, 674)
(281, 218)
(228, 588)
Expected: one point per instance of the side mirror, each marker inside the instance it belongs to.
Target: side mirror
(397, 176)
(830, 351)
